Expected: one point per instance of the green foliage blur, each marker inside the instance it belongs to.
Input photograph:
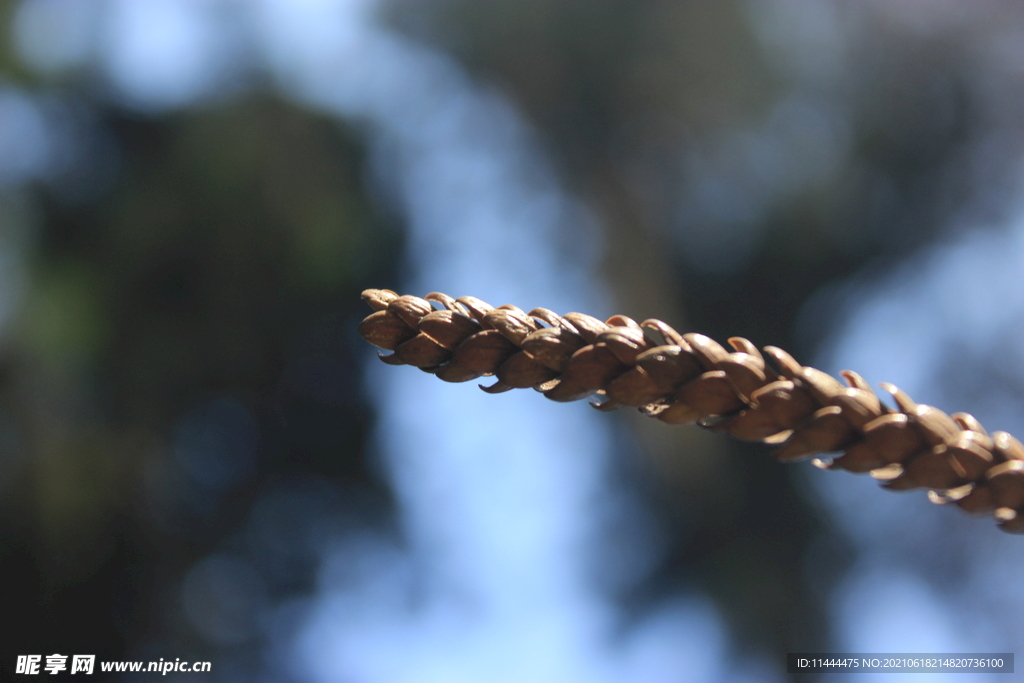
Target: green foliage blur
(222, 256)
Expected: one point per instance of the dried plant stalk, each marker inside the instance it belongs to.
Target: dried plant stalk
(684, 378)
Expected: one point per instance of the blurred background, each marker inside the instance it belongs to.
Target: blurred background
(200, 459)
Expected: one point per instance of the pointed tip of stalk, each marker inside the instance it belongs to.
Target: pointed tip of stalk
(549, 385)
(778, 437)
(787, 364)
(1011, 521)
(606, 406)
(950, 495)
(903, 401)
(378, 299)
(668, 334)
(887, 473)
(1005, 514)
(440, 297)
(390, 358)
(743, 345)
(498, 387)
(855, 380)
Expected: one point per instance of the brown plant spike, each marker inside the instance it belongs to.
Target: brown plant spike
(683, 378)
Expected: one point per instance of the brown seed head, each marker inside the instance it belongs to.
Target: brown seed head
(679, 379)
